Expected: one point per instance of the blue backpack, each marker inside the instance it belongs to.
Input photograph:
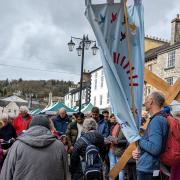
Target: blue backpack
(92, 164)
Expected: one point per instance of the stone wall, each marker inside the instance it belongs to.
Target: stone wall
(158, 67)
(151, 43)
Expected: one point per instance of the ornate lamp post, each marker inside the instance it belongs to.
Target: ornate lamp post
(84, 44)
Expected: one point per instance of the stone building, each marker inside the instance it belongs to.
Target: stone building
(164, 60)
(153, 42)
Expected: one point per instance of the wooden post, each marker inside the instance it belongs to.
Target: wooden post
(171, 92)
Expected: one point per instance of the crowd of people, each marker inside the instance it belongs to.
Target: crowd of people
(83, 146)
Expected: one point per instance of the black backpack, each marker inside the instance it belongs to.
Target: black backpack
(92, 164)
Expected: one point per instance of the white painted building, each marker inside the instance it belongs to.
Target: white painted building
(68, 100)
(99, 91)
(12, 108)
(71, 99)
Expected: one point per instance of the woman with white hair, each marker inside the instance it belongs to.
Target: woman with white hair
(89, 133)
(22, 121)
(7, 132)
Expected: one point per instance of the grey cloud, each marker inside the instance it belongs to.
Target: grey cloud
(35, 33)
(158, 16)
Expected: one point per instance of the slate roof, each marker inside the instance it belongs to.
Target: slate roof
(152, 53)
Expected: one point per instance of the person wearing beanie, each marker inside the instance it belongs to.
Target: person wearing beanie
(36, 154)
(89, 132)
(40, 120)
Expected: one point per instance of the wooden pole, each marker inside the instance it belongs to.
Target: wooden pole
(129, 57)
(171, 92)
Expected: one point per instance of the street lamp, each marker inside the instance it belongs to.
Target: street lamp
(84, 44)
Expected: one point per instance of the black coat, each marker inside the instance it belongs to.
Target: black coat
(7, 132)
(80, 149)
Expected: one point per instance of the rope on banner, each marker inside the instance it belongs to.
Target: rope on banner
(129, 57)
(128, 152)
(130, 62)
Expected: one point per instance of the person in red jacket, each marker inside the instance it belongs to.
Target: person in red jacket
(22, 121)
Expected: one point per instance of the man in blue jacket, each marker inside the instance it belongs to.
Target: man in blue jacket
(61, 121)
(102, 124)
(152, 144)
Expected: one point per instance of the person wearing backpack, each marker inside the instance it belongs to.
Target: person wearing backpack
(153, 142)
(88, 153)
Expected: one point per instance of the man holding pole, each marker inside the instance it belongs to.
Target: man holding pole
(152, 144)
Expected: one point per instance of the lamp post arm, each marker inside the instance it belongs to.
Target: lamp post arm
(76, 38)
(72, 37)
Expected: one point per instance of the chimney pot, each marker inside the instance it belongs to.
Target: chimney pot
(175, 30)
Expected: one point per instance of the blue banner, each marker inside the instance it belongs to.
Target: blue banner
(109, 25)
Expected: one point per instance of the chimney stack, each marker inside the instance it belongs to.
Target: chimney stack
(175, 30)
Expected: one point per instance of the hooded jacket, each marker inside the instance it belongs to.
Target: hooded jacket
(35, 155)
(103, 128)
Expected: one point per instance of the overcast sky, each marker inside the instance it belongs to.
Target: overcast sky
(34, 36)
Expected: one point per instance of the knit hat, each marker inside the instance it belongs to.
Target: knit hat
(40, 120)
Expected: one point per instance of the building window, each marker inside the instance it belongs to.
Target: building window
(94, 100)
(150, 67)
(148, 90)
(102, 78)
(95, 74)
(169, 80)
(95, 84)
(84, 94)
(100, 99)
(108, 98)
(171, 59)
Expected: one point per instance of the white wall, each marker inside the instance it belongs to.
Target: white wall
(98, 89)
(68, 100)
